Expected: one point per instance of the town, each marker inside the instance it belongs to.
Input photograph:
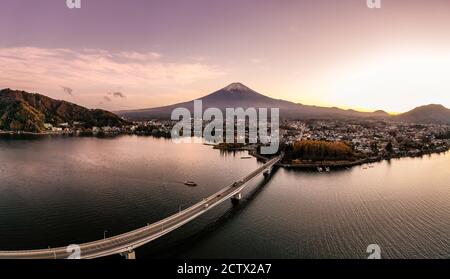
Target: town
(373, 138)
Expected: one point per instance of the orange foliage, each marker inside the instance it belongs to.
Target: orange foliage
(322, 150)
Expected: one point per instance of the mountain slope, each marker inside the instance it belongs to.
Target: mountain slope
(238, 95)
(22, 111)
(426, 114)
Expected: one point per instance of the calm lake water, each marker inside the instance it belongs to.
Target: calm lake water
(56, 191)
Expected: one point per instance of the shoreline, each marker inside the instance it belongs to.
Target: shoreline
(251, 152)
(65, 134)
(334, 165)
(341, 164)
(12, 133)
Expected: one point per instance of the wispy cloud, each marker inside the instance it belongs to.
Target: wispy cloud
(113, 95)
(67, 90)
(117, 94)
(142, 57)
(95, 70)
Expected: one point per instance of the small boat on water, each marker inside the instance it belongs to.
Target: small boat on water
(319, 169)
(246, 157)
(327, 169)
(190, 183)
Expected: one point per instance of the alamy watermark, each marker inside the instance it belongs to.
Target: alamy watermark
(74, 251)
(76, 4)
(258, 126)
(374, 251)
(374, 4)
(73, 4)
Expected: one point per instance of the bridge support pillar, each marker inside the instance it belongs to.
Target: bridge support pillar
(236, 198)
(266, 173)
(130, 255)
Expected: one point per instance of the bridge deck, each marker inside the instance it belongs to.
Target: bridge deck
(131, 240)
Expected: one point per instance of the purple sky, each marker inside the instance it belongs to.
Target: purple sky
(324, 52)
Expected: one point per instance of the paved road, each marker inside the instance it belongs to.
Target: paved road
(131, 240)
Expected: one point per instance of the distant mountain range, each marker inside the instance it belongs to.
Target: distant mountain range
(22, 111)
(427, 114)
(238, 95)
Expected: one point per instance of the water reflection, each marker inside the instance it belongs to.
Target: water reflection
(60, 190)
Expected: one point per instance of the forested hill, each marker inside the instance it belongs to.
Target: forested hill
(23, 111)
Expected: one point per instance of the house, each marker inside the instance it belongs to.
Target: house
(48, 126)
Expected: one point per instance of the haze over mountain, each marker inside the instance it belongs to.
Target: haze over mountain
(238, 95)
(22, 111)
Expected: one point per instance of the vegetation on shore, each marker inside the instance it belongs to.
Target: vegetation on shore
(312, 151)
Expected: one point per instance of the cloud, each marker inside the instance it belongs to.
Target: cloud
(110, 95)
(67, 90)
(117, 94)
(96, 70)
(137, 56)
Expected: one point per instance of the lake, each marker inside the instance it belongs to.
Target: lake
(56, 191)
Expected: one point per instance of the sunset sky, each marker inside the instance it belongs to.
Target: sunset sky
(126, 54)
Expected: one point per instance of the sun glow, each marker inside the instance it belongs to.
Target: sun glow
(396, 82)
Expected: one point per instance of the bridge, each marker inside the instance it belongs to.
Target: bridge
(125, 244)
